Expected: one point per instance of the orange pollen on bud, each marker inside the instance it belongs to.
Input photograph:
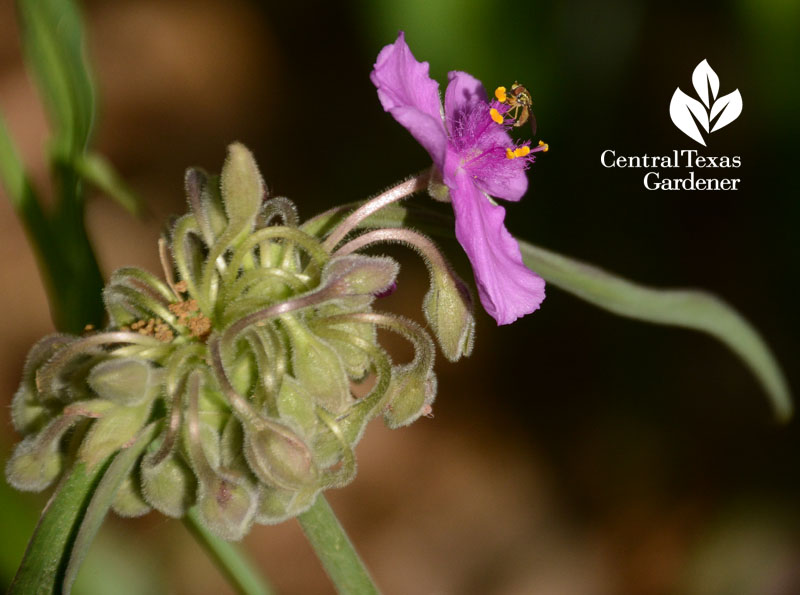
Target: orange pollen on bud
(500, 93)
(521, 151)
(496, 116)
(510, 154)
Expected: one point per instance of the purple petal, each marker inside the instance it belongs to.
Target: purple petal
(462, 92)
(507, 288)
(505, 184)
(480, 141)
(411, 96)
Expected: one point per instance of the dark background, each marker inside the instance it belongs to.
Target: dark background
(575, 451)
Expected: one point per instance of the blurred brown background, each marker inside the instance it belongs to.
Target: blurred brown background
(574, 452)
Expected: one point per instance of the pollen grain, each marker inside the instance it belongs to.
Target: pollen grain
(496, 116)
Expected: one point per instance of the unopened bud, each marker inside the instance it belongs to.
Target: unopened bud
(111, 432)
(437, 189)
(412, 391)
(296, 406)
(357, 361)
(28, 411)
(276, 504)
(227, 505)
(356, 274)
(242, 188)
(318, 367)
(168, 486)
(279, 457)
(124, 381)
(37, 460)
(449, 311)
(128, 501)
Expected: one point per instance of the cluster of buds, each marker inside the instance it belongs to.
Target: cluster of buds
(239, 367)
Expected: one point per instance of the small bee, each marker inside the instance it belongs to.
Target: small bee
(520, 102)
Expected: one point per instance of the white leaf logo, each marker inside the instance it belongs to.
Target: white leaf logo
(728, 108)
(703, 79)
(681, 109)
(710, 113)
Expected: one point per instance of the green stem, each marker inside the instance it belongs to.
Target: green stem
(232, 562)
(45, 560)
(335, 551)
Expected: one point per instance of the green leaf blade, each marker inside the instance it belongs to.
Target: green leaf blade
(52, 36)
(97, 170)
(101, 500)
(43, 563)
(12, 171)
(686, 308)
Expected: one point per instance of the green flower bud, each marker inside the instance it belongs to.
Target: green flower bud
(449, 311)
(355, 274)
(227, 505)
(275, 505)
(168, 485)
(437, 189)
(28, 412)
(296, 407)
(124, 381)
(205, 202)
(210, 447)
(37, 460)
(411, 393)
(279, 457)
(318, 367)
(242, 188)
(128, 501)
(231, 447)
(412, 388)
(93, 408)
(112, 431)
(29, 408)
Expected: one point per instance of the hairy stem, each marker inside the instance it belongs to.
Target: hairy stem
(402, 190)
(334, 549)
(229, 559)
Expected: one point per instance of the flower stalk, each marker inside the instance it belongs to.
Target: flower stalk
(232, 562)
(384, 199)
(335, 550)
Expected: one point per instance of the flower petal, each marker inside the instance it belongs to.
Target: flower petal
(508, 183)
(411, 96)
(473, 132)
(507, 288)
(463, 90)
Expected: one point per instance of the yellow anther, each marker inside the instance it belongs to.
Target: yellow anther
(545, 146)
(521, 151)
(500, 93)
(496, 116)
(510, 154)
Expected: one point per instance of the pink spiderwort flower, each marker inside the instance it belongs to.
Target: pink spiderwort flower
(470, 145)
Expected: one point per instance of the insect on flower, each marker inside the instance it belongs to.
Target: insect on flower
(520, 102)
(468, 141)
